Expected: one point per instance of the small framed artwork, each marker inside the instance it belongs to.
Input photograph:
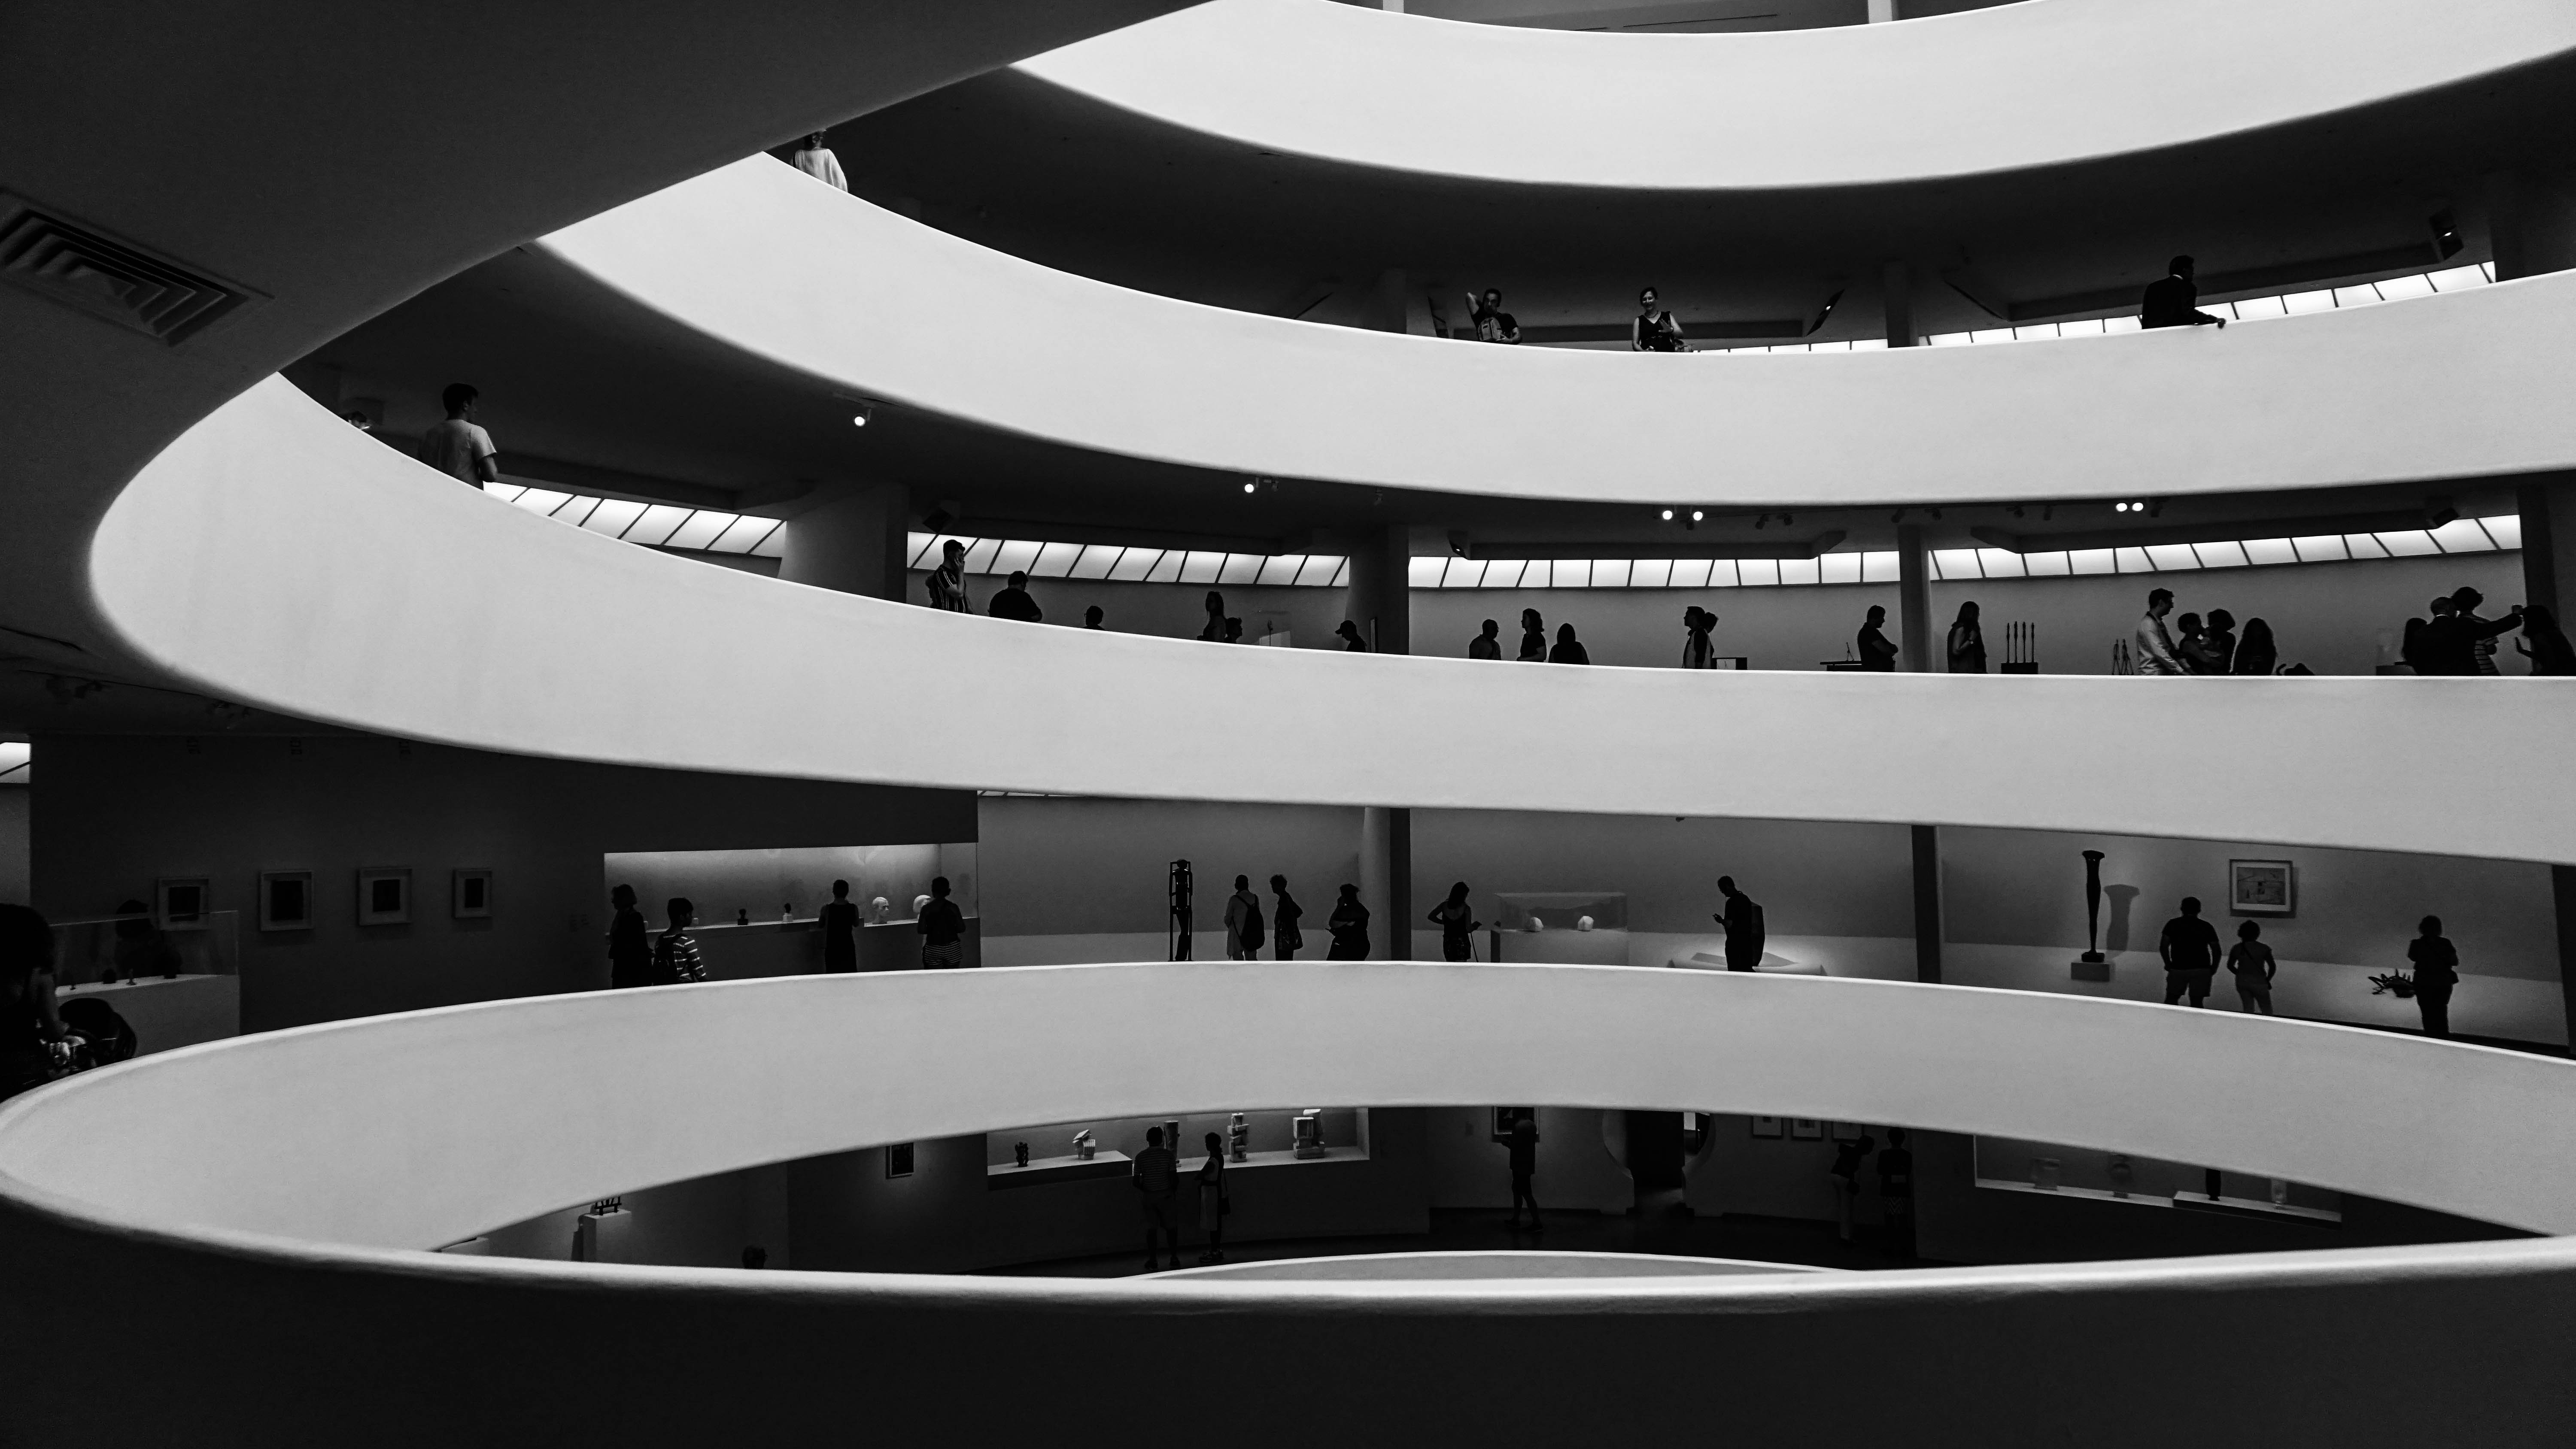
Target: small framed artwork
(1806, 1129)
(472, 894)
(286, 900)
(898, 1159)
(1848, 1132)
(180, 904)
(384, 896)
(1766, 1126)
(2262, 888)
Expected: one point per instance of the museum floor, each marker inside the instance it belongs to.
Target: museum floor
(1734, 1235)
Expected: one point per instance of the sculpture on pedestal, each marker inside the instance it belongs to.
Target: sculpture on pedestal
(2092, 905)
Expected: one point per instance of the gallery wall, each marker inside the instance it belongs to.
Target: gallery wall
(112, 813)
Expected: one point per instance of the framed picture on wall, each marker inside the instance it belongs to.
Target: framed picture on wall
(1848, 1132)
(286, 900)
(180, 903)
(1806, 1129)
(1507, 1119)
(471, 894)
(898, 1159)
(1766, 1126)
(384, 895)
(2262, 888)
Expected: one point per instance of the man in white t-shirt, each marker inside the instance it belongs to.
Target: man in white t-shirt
(458, 447)
(816, 160)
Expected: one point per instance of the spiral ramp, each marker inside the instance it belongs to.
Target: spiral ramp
(264, 1202)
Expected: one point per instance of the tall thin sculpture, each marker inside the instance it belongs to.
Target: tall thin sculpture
(1178, 934)
(2092, 905)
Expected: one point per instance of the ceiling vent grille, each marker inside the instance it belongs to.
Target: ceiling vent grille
(83, 268)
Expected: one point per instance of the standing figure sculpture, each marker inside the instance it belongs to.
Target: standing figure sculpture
(2092, 905)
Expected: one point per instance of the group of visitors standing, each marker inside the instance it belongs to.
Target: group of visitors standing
(2457, 640)
(2192, 645)
(1652, 329)
(1156, 1176)
(1488, 643)
(637, 958)
(1246, 930)
(2189, 948)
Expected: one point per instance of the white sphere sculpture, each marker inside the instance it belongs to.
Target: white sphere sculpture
(1583, 923)
(1536, 924)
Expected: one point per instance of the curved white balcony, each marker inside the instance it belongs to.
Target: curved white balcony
(277, 555)
(303, 1171)
(2016, 87)
(755, 255)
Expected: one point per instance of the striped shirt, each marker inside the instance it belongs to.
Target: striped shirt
(676, 954)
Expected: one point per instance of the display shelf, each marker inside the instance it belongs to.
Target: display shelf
(2189, 1201)
(169, 1011)
(1043, 1170)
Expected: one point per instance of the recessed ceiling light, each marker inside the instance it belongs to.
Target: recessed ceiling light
(1696, 515)
(1668, 515)
(1247, 487)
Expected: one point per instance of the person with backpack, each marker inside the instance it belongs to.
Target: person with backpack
(675, 953)
(1742, 922)
(1285, 939)
(1243, 922)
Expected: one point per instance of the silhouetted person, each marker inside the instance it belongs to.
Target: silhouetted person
(1213, 631)
(1487, 645)
(675, 952)
(1285, 939)
(1349, 634)
(2449, 643)
(1493, 324)
(1349, 926)
(2220, 642)
(1876, 651)
(2410, 648)
(1233, 630)
(2252, 964)
(1243, 922)
(1457, 922)
(1896, 1192)
(2481, 633)
(2155, 647)
(1742, 921)
(1568, 650)
(1012, 601)
(28, 1022)
(1967, 642)
(2173, 300)
(1157, 1178)
(1697, 651)
(816, 160)
(947, 583)
(839, 923)
(459, 447)
(2191, 645)
(1092, 616)
(2437, 970)
(1533, 638)
(2256, 653)
(2544, 643)
(1653, 329)
(942, 928)
(1845, 1173)
(2189, 947)
(1524, 1151)
(630, 947)
(1212, 1204)
(755, 1257)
